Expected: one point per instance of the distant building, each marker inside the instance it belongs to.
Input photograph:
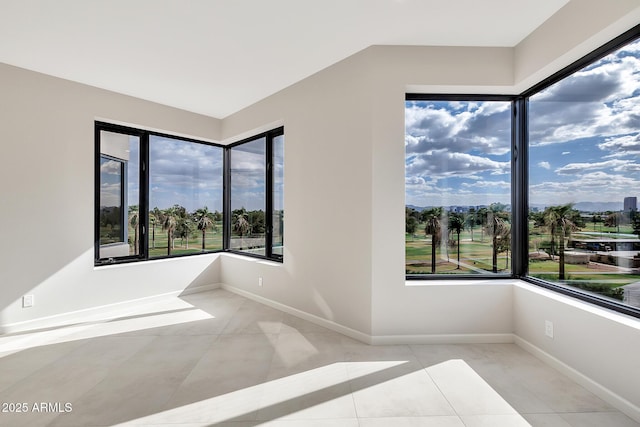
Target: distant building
(630, 204)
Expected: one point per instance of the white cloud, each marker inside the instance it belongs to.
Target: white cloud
(609, 188)
(441, 163)
(111, 167)
(184, 173)
(622, 145)
(484, 128)
(506, 185)
(110, 194)
(450, 142)
(544, 165)
(600, 100)
(581, 168)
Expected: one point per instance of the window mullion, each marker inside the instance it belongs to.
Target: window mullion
(226, 199)
(520, 189)
(268, 215)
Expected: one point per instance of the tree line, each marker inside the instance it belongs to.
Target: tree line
(178, 223)
(438, 223)
(559, 221)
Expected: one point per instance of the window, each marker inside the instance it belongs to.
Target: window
(248, 196)
(584, 178)
(277, 208)
(118, 197)
(458, 186)
(256, 195)
(566, 197)
(162, 196)
(185, 197)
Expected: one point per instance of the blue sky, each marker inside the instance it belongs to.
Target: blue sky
(248, 175)
(190, 174)
(184, 173)
(457, 153)
(584, 142)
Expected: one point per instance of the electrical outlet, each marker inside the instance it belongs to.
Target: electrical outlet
(548, 328)
(27, 301)
(259, 281)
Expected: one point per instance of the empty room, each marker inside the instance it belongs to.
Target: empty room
(308, 213)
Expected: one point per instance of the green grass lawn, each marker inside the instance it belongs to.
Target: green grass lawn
(475, 255)
(213, 241)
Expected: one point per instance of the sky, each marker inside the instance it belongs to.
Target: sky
(248, 175)
(457, 153)
(184, 173)
(190, 174)
(584, 142)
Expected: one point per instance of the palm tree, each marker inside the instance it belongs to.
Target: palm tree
(500, 231)
(184, 228)
(456, 224)
(561, 220)
(241, 224)
(204, 220)
(433, 227)
(169, 224)
(134, 219)
(470, 220)
(155, 217)
(482, 220)
(411, 221)
(613, 220)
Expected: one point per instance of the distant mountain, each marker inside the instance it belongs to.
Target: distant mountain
(598, 206)
(581, 206)
(590, 206)
(418, 208)
(457, 208)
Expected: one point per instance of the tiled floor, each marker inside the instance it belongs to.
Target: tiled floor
(216, 358)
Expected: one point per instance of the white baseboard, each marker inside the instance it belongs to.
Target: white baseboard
(202, 288)
(443, 339)
(615, 400)
(373, 339)
(94, 314)
(336, 327)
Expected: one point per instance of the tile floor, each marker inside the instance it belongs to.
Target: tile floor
(216, 358)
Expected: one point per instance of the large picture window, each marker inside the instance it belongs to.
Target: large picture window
(185, 197)
(458, 186)
(584, 178)
(162, 196)
(549, 178)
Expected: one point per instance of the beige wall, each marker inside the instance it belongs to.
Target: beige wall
(327, 259)
(574, 31)
(47, 139)
(596, 347)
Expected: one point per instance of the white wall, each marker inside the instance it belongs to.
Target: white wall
(327, 196)
(426, 309)
(599, 348)
(47, 198)
(574, 31)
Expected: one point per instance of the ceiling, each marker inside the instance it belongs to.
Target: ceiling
(215, 57)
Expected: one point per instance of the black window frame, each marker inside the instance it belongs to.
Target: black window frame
(269, 136)
(471, 98)
(144, 136)
(520, 178)
(143, 193)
